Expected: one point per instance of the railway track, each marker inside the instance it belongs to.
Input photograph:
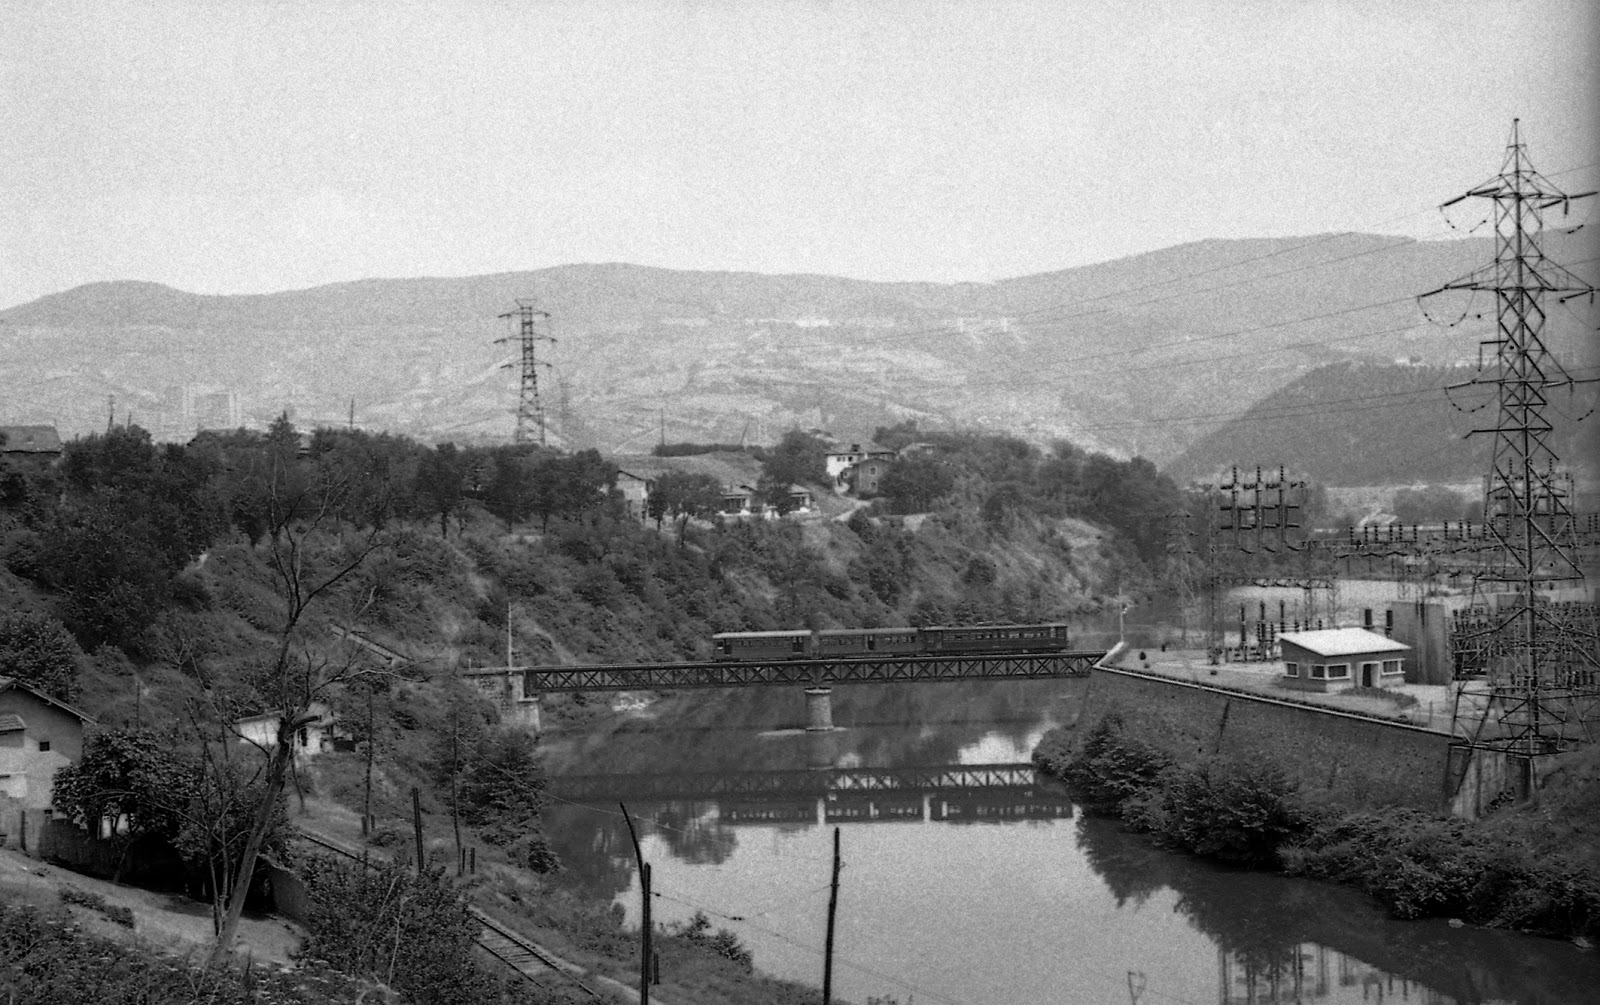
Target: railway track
(527, 958)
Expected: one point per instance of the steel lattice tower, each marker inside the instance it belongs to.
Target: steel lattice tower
(1541, 685)
(530, 411)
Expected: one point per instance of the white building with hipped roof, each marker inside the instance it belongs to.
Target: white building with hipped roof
(1337, 659)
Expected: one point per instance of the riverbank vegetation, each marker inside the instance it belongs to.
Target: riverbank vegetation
(1533, 868)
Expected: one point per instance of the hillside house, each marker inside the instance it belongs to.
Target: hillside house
(842, 461)
(315, 737)
(864, 476)
(38, 735)
(34, 446)
(800, 499)
(635, 491)
(1338, 659)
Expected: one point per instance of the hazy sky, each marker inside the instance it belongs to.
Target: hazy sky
(249, 147)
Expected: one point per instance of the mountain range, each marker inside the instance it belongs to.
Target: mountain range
(1149, 354)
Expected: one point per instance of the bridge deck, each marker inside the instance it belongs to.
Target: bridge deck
(808, 672)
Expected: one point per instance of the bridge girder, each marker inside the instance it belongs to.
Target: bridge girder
(808, 673)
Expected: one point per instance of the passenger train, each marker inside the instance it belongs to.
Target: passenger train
(860, 643)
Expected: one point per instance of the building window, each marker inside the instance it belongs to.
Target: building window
(1391, 666)
(44, 745)
(303, 738)
(1291, 669)
(1319, 671)
(1338, 670)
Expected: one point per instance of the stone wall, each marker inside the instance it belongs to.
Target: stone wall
(1337, 758)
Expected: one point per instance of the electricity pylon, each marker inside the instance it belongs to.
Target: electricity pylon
(530, 411)
(1541, 689)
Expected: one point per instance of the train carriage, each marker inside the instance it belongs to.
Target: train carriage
(857, 642)
(755, 646)
(994, 638)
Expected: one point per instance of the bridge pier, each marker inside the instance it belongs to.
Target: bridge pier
(819, 709)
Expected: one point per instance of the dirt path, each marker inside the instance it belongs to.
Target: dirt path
(168, 922)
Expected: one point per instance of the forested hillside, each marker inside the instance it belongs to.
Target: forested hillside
(169, 590)
(1378, 424)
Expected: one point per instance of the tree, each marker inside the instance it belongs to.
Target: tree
(131, 782)
(799, 458)
(510, 492)
(913, 484)
(685, 496)
(36, 648)
(438, 487)
(501, 793)
(308, 559)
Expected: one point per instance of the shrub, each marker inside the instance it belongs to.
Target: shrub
(1231, 810)
(412, 932)
(724, 943)
(1113, 768)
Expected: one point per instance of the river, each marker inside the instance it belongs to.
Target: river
(978, 885)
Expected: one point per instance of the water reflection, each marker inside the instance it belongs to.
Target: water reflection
(1287, 940)
(1020, 902)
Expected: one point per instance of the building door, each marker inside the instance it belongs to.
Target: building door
(1366, 675)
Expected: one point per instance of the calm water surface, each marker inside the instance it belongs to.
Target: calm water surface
(992, 893)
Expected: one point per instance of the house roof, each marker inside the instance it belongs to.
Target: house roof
(1343, 642)
(10, 722)
(7, 683)
(727, 467)
(30, 440)
(859, 446)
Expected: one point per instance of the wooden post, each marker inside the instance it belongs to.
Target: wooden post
(833, 906)
(648, 956)
(366, 803)
(416, 824)
(455, 770)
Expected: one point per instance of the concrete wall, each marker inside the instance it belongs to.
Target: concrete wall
(1425, 626)
(1335, 757)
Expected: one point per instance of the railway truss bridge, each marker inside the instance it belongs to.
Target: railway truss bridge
(816, 676)
(954, 792)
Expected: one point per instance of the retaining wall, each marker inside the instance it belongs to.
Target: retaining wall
(1344, 759)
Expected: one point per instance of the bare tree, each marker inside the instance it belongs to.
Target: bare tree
(312, 548)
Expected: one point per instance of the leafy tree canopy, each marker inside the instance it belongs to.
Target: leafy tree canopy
(36, 648)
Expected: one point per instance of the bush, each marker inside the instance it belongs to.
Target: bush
(724, 943)
(1231, 810)
(83, 898)
(413, 932)
(1113, 768)
(1419, 865)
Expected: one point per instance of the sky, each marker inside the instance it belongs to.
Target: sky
(249, 147)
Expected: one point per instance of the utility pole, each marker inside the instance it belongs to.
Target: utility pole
(833, 907)
(1538, 690)
(645, 955)
(530, 412)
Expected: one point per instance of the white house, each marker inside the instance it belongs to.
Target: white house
(314, 738)
(840, 461)
(1337, 659)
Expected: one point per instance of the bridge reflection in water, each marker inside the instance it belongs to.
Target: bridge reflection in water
(953, 793)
